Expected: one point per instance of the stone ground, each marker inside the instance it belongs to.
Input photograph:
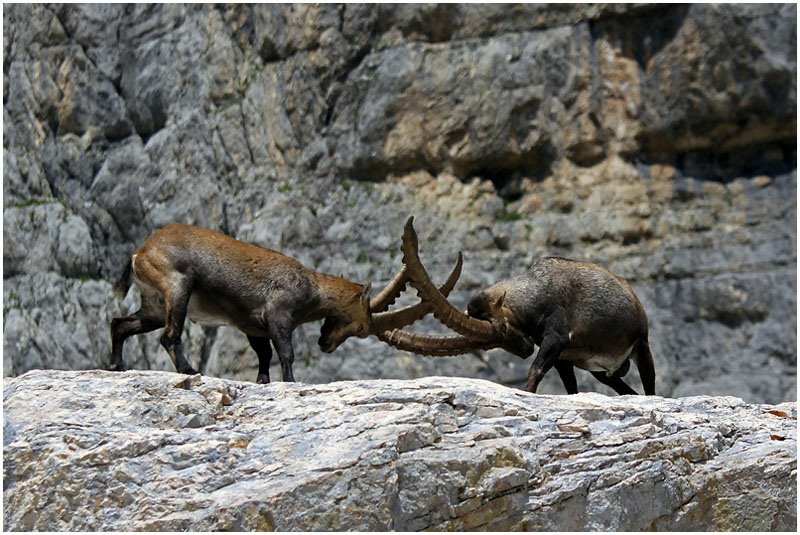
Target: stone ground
(156, 451)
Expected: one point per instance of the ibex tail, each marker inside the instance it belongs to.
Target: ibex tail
(123, 284)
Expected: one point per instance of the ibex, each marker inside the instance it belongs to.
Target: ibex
(213, 279)
(578, 313)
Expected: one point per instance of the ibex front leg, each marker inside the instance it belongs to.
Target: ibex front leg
(567, 373)
(283, 344)
(555, 339)
(547, 356)
(264, 351)
(281, 327)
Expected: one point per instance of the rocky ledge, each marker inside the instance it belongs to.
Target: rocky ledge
(96, 450)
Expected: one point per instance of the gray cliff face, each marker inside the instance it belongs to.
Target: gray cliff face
(155, 451)
(658, 141)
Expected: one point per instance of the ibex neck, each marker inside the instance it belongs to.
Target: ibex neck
(330, 292)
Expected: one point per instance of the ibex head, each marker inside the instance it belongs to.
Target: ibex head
(363, 315)
(486, 326)
(352, 319)
(487, 305)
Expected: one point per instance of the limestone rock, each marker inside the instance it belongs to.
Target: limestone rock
(161, 451)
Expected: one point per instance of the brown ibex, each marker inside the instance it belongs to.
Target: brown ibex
(578, 313)
(213, 279)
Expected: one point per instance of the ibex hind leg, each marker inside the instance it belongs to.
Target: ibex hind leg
(647, 371)
(177, 302)
(123, 328)
(614, 382)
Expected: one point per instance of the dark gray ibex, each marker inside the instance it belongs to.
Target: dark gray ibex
(579, 314)
(213, 279)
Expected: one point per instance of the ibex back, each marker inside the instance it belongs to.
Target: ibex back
(213, 279)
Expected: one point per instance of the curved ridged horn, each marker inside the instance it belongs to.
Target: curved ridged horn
(479, 330)
(391, 292)
(432, 345)
(386, 321)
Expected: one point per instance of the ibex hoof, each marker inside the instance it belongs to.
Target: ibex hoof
(262, 379)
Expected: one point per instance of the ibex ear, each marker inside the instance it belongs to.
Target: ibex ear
(365, 295)
(498, 314)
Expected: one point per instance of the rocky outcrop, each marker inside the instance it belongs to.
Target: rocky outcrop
(657, 140)
(161, 451)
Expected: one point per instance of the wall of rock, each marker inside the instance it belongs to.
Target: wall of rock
(657, 140)
(157, 451)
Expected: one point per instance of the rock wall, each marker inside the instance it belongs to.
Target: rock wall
(657, 140)
(158, 451)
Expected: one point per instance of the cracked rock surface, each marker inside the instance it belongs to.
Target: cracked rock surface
(98, 450)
